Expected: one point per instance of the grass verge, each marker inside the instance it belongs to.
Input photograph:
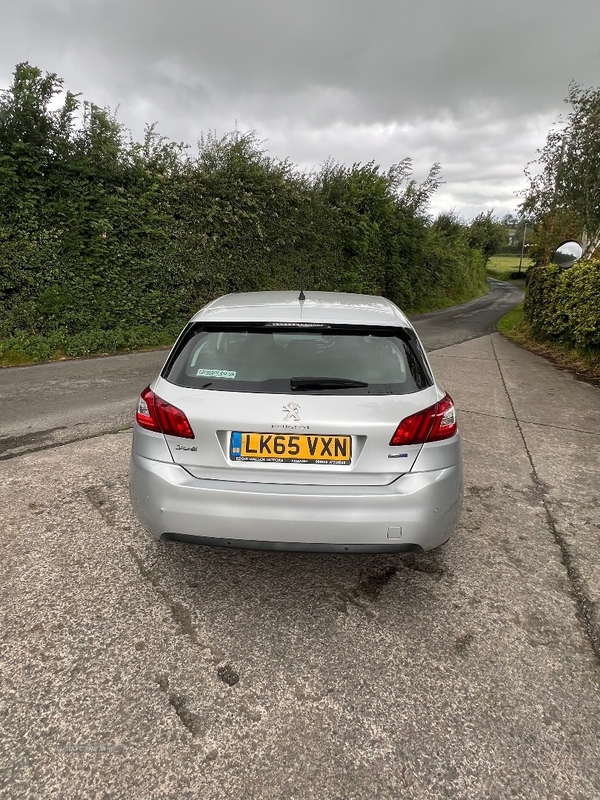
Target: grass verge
(439, 302)
(584, 364)
(59, 345)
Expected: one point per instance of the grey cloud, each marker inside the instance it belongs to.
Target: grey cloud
(474, 85)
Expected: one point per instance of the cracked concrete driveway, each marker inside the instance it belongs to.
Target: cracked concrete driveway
(132, 669)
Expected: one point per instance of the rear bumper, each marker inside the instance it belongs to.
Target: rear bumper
(303, 547)
(415, 513)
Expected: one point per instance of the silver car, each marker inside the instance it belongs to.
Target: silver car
(294, 422)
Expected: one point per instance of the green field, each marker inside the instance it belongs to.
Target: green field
(501, 267)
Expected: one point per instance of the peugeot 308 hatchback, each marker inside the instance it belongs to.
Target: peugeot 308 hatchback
(298, 423)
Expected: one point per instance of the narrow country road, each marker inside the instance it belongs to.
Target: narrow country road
(49, 404)
(470, 321)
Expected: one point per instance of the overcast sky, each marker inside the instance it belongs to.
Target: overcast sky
(473, 85)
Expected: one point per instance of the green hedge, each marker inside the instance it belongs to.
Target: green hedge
(563, 305)
(106, 243)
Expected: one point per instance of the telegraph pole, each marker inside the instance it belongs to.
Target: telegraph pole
(522, 249)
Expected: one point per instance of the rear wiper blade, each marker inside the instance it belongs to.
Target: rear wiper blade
(300, 384)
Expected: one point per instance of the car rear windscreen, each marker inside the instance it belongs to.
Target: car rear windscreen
(277, 358)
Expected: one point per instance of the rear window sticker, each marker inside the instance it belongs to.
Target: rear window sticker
(215, 373)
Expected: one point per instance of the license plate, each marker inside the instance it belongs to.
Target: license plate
(293, 448)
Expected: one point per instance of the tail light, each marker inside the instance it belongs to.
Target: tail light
(431, 425)
(155, 414)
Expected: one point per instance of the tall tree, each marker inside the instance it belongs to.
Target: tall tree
(568, 181)
(486, 234)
